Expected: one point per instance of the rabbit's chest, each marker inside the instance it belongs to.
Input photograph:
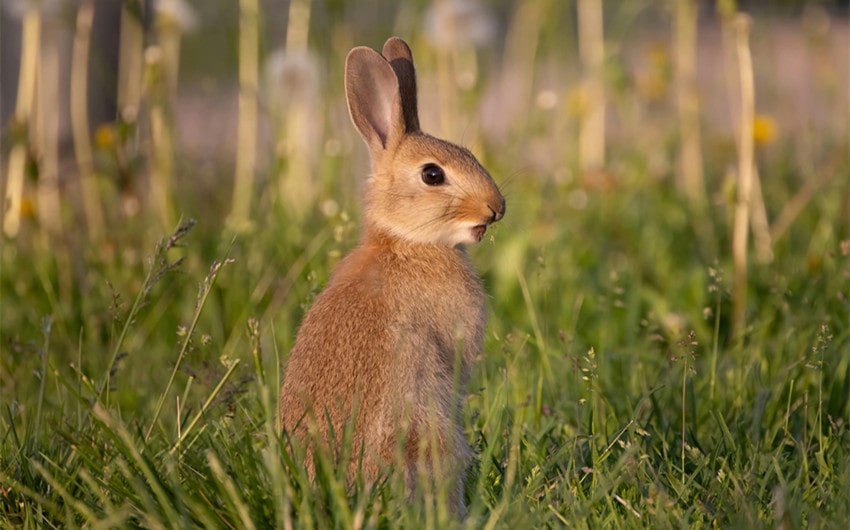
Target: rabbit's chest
(447, 309)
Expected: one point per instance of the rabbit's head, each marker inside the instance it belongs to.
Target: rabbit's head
(422, 189)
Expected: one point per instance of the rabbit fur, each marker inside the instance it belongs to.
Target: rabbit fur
(389, 342)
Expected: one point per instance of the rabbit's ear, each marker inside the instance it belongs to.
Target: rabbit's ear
(398, 53)
(374, 101)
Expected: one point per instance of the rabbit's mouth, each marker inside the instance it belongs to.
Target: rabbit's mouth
(478, 231)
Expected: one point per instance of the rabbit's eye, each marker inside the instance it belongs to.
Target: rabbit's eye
(433, 175)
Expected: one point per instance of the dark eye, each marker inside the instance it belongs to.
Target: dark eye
(433, 175)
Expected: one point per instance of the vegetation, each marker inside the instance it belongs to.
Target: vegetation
(641, 369)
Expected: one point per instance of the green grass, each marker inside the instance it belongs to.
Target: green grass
(139, 375)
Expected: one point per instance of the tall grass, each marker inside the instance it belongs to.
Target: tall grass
(624, 382)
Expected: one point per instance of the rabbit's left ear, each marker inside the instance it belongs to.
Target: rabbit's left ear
(374, 100)
(398, 53)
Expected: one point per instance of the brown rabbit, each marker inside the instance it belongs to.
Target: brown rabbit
(389, 343)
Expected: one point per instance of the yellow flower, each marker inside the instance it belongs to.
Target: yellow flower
(658, 56)
(764, 129)
(104, 136)
(27, 208)
(653, 81)
(577, 102)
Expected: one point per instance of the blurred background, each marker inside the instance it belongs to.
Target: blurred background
(162, 95)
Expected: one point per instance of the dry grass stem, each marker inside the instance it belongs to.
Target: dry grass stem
(48, 89)
(592, 53)
(792, 209)
(521, 52)
(761, 226)
(80, 121)
(293, 75)
(30, 38)
(690, 177)
(246, 136)
(130, 63)
(448, 103)
(745, 172)
(298, 25)
(162, 135)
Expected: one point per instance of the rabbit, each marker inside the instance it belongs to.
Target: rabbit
(386, 347)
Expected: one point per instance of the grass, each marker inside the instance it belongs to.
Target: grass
(139, 372)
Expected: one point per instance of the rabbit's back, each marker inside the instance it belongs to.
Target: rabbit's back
(335, 361)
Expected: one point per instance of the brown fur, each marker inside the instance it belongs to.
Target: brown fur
(405, 309)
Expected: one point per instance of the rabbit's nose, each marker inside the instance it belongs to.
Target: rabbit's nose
(499, 211)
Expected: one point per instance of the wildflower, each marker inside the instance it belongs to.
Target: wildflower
(104, 136)
(577, 102)
(28, 208)
(653, 84)
(764, 129)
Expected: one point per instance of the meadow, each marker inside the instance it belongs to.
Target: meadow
(669, 334)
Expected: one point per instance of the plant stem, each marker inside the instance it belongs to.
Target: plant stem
(80, 121)
(246, 134)
(592, 53)
(684, 394)
(745, 174)
(209, 281)
(30, 38)
(189, 428)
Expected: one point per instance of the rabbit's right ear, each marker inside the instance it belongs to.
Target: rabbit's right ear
(398, 53)
(374, 101)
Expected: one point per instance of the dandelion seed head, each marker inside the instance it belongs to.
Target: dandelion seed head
(330, 208)
(176, 13)
(459, 23)
(547, 99)
(291, 76)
